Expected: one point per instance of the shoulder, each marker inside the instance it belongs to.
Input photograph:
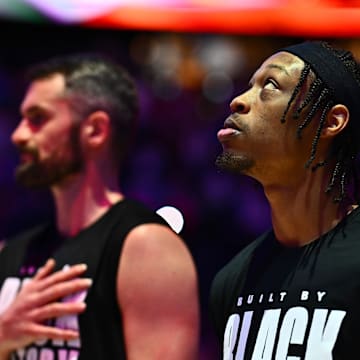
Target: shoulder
(232, 274)
(347, 232)
(153, 239)
(155, 266)
(228, 281)
(155, 252)
(236, 264)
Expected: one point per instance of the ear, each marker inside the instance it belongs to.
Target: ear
(336, 121)
(96, 128)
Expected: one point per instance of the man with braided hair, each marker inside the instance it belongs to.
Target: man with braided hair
(294, 291)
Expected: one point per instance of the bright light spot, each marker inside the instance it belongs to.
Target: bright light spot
(173, 217)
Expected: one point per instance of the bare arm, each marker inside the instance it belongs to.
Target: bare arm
(23, 322)
(158, 295)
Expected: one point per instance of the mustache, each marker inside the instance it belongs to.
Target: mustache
(31, 150)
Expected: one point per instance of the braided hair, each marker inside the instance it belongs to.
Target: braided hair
(318, 100)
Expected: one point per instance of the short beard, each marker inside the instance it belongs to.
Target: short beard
(234, 163)
(43, 174)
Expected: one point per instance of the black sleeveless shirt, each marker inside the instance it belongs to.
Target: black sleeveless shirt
(99, 246)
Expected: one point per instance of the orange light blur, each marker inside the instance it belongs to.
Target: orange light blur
(303, 20)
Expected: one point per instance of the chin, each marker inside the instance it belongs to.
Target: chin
(235, 163)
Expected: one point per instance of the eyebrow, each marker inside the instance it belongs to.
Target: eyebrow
(34, 109)
(272, 66)
(279, 67)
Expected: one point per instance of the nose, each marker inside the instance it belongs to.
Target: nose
(21, 134)
(239, 105)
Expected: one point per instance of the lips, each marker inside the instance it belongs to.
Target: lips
(230, 124)
(229, 130)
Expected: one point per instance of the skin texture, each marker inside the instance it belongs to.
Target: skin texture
(267, 150)
(48, 152)
(158, 301)
(257, 113)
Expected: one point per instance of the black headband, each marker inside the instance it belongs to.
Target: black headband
(332, 71)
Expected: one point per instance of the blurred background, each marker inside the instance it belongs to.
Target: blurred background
(189, 59)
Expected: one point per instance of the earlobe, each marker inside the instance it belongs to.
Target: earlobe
(336, 122)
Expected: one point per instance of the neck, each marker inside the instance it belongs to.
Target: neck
(302, 212)
(82, 199)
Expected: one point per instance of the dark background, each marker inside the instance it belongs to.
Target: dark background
(186, 82)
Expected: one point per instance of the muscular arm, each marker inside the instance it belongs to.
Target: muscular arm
(157, 292)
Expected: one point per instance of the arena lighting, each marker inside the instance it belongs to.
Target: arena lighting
(285, 20)
(81, 10)
(335, 18)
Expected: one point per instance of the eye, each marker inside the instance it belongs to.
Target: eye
(270, 84)
(37, 120)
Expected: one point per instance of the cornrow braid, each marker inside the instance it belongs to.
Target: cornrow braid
(334, 176)
(343, 181)
(318, 101)
(314, 109)
(303, 76)
(346, 146)
(315, 87)
(318, 133)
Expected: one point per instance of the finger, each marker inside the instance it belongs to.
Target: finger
(39, 331)
(55, 310)
(60, 290)
(45, 270)
(63, 275)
